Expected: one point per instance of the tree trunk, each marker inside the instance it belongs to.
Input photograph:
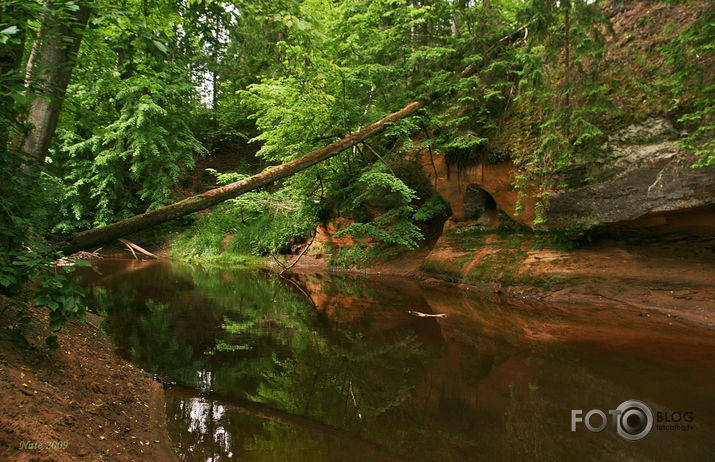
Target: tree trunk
(96, 236)
(32, 57)
(55, 59)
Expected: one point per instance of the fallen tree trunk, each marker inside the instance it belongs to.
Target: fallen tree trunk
(96, 236)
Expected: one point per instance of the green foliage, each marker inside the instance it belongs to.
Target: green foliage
(27, 269)
(31, 277)
(691, 57)
(337, 77)
(386, 215)
(291, 116)
(462, 124)
(561, 85)
(343, 66)
(122, 146)
(395, 227)
(129, 166)
(257, 223)
(433, 207)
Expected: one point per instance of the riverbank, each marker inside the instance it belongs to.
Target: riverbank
(672, 275)
(80, 402)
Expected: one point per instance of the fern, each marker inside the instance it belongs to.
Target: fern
(131, 165)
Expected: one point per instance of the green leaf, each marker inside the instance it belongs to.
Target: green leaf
(56, 324)
(80, 262)
(9, 30)
(160, 46)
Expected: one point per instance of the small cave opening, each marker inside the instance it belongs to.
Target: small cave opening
(477, 202)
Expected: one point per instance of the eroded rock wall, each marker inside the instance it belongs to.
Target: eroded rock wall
(644, 175)
(452, 183)
(644, 180)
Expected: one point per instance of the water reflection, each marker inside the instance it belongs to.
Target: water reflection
(204, 418)
(342, 372)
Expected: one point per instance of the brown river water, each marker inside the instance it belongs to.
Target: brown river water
(332, 367)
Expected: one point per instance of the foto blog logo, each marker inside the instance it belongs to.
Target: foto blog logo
(632, 419)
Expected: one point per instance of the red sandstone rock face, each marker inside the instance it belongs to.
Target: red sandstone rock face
(325, 234)
(649, 186)
(699, 220)
(646, 183)
(451, 183)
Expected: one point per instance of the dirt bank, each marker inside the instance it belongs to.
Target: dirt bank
(80, 402)
(672, 274)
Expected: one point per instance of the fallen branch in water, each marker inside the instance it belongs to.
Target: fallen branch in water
(82, 255)
(278, 262)
(427, 315)
(295, 262)
(131, 246)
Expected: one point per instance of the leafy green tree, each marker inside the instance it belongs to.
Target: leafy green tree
(125, 151)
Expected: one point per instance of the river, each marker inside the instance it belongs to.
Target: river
(332, 367)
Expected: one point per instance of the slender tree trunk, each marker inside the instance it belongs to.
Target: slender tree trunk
(93, 237)
(55, 58)
(454, 25)
(32, 58)
(567, 68)
(17, 135)
(413, 32)
(214, 89)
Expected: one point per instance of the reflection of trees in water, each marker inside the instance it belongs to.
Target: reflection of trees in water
(345, 382)
(241, 334)
(207, 429)
(526, 426)
(287, 355)
(170, 332)
(248, 334)
(283, 443)
(145, 332)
